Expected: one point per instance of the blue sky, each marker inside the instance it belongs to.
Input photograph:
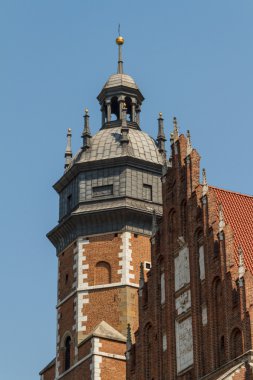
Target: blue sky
(192, 59)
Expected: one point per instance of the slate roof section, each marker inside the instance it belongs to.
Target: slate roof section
(106, 145)
(238, 212)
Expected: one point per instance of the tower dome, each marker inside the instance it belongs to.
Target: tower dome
(107, 144)
(116, 80)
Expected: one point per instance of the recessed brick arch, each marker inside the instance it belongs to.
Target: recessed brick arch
(148, 344)
(102, 273)
(236, 343)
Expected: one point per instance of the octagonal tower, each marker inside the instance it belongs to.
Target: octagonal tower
(108, 192)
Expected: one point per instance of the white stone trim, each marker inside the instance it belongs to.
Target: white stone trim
(162, 288)
(96, 359)
(112, 356)
(81, 297)
(125, 256)
(164, 342)
(184, 343)
(202, 272)
(204, 315)
(87, 288)
(113, 285)
(65, 299)
(183, 302)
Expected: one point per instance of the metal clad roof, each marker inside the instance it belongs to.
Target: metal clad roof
(106, 145)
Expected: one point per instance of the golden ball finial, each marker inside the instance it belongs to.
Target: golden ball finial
(119, 40)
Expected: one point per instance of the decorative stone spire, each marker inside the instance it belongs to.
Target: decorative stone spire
(161, 136)
(175, 129)
(204, 183)
(124, 127)
(68, 151)
(141, 280)
(189, 144)
(120, 42)
(86, 135)
(129, 337)
(241, 267)
(221, 218)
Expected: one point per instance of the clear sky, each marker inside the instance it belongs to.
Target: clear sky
(192, 59)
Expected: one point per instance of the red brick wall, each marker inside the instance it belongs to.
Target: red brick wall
(66, 273)
(49, 374)
(116, 305)
(228, 307)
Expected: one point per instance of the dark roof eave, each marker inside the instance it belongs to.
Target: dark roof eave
(118, 89)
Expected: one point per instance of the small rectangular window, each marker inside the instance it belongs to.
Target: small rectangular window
(147, 192)
(147, 265)
(102, 191)
(69, 203)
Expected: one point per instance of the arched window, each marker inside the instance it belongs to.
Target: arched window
(67, 353)
(218, 313)
(114, 108)
(222, 349)
(148, 351)
(216, 248)
(128, 103)
(172, 227)
(236, 343)
(102, 273)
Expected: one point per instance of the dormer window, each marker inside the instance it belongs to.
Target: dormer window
(147, 192)
(102, 191)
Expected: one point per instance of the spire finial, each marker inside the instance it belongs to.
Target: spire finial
(204, 183)
(86, 135)
(189, 144)
(120, 42)
(175, 129)
(68, 151)
(161, 136)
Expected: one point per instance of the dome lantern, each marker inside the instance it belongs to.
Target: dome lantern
(120, 89)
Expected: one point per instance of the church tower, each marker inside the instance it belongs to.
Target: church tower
(108, 193)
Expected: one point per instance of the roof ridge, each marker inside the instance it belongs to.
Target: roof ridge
(230, 191)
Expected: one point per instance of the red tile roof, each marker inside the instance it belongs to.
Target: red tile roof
(238, 212)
